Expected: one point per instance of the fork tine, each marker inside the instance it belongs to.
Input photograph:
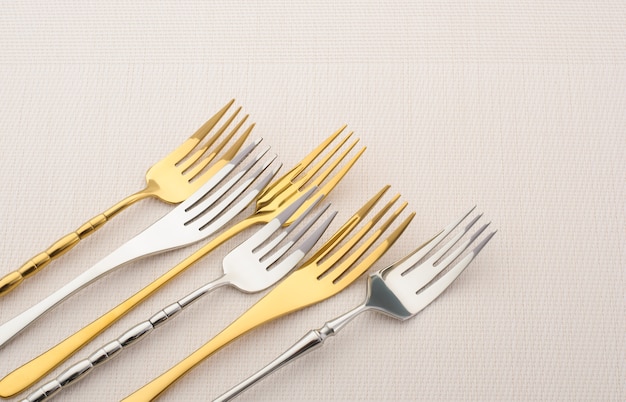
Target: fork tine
(480, 246)
(223, 219)
(194, 170)
(453, 256)
(300, 219)
(375, 255)
(282, 268)
(189, 160)
(308, 244)
(316, 168)
(261, 236)
(428, 295)
(294, 206)
(437, 256)
(204, 174)
(337, 272)
(332, 183)
(186, 147)
(262, 252)
(204, 202)
(299, 185)
(219, 176)
(282, 183)
(208, 126)
(346, 228)
(317, 151)
(232, 132)
(283, 191)
(423, 274)
(277, 254)
(406, 264)
(330, 260)
(215, 214)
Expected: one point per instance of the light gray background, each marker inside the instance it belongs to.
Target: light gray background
(518, 107)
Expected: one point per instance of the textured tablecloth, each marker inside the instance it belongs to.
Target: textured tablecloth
(517, 107)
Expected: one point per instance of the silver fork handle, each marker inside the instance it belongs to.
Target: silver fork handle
(129, 251)
(104, 354)
(150, 241)
(112, 349)
(309, 342)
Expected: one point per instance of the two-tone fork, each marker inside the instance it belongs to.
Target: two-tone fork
(251, 267)
(331, 269)
(401, 291)
(173, 179)
(186, 224)
(272, 201)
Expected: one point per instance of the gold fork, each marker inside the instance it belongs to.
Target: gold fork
(321, 277)
(270, 203)
(172, 180)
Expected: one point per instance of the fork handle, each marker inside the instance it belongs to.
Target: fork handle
(138, 332)
(26, 375)
(104, 354)
(309, 342)
(129, 251)
(64, 244)
(260, 313)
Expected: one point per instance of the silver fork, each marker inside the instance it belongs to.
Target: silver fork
(251, 267)
(401, 291)
(201, 215)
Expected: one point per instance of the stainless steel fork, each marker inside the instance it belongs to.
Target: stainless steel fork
(320, 168)
(401, 291)
(198, 217)
(251, 267)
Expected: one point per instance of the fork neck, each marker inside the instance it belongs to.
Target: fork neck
(201, 291)
(127, 202)
(331, 327)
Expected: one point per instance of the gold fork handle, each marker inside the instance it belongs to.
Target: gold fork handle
(65, 244)
(152, 390)
(157, 386)
(271, 306)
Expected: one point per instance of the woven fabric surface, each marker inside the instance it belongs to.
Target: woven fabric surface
(515, 107)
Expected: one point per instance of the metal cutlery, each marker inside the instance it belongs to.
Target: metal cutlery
(251, 267)
(270, 203)
(331, 269)
(188, 223)
(401, 291)
(172, 180)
